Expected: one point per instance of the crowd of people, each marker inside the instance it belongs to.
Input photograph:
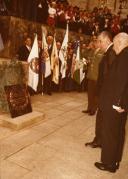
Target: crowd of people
(58, 13)
(66, 84)
(84, 21)
(105, 65)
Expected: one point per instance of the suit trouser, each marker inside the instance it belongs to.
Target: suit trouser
(92, 99)
(113, 135)
(98, 127)
(47, 85)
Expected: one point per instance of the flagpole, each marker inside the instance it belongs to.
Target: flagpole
(115, 3)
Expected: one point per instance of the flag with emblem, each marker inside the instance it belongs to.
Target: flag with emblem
(77, 65)
(55, 63)
(33, 65)
(47, 58)
(63, 54)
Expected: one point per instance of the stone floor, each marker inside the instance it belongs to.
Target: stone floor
(54, 148)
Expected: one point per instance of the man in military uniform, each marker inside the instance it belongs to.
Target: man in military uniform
(94, 57)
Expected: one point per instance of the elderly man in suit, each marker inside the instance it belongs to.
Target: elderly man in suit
(25, 49)
(48, 80)
(106, 45)
(113, 104)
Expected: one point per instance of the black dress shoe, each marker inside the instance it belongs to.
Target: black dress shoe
(49, 93)
(93, 144)
(109, 168)
(86, 111)
(91, 113)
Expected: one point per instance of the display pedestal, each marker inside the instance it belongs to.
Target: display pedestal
(21, 122)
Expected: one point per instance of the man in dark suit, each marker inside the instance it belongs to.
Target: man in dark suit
(40, 72)
(42, 11)
(113, 105)
(3, 8)
(48, 80)
(24, 50)
(106, 45)
(23, 54)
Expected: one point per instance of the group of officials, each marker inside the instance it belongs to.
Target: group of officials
(112, 91)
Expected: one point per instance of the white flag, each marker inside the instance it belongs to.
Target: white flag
(44, 42)
(1, 43)
(75, 59)
(55, 63)
(63, 54)
(47, 58)
(33, 65)
(77, 66)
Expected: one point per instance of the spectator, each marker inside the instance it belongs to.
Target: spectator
(24, 50)
(51, 21)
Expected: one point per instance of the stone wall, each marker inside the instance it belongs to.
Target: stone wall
(14, 30)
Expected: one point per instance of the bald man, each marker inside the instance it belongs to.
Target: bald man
(113, 104)
(106, 44)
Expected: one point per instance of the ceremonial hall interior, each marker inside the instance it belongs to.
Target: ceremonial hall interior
(49, 99)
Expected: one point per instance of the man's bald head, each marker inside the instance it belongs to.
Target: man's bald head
(120, 41)
(105, 39)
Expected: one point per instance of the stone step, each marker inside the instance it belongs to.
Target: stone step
(20, 122)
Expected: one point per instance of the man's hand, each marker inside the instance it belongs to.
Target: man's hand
(118, 108)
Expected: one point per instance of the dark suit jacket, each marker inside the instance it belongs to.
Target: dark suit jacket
(50, 51)
(42, 13)
(104, 67)
(23, 53)
(115, 86)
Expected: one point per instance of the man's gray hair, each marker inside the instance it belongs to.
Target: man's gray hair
(122, 39)
(105, 35)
